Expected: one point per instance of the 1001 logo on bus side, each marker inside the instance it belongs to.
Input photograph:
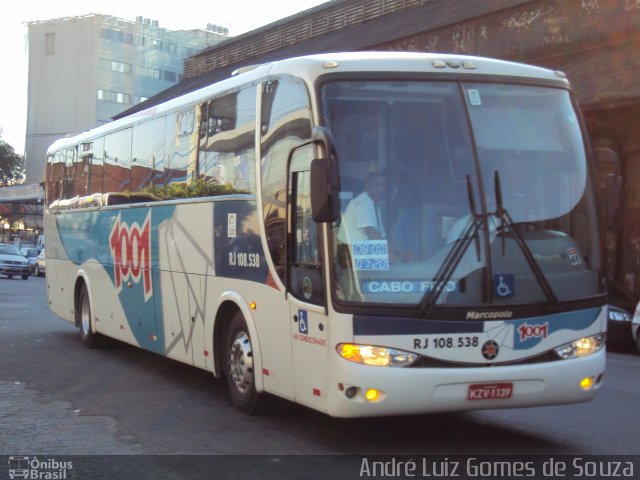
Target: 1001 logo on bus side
(131, 251)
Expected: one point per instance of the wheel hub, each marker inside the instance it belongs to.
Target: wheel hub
(241, 362)
(85, 316)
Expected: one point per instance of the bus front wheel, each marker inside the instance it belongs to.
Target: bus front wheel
(239, 370)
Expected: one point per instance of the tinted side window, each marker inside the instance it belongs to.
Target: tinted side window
(117, 162)
(226, 156)
(285, 123)
(53, 178)
(70, 180)
(148, 153)
(230, 141)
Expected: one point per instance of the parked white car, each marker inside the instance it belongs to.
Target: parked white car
(12, 262)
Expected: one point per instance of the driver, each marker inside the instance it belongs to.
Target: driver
(362, 219)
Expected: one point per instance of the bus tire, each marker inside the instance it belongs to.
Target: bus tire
(83, 319)
(239, 370)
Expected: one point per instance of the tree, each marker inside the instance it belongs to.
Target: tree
(11, 164)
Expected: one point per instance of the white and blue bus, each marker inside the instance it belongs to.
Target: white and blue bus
(230, 229)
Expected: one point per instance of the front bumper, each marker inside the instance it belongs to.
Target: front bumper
(428, 390)
(15, 269)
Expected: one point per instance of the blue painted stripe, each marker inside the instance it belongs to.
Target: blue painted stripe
(378, 325)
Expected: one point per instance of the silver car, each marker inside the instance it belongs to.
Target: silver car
(635, 327)
(40, 264)
(12, 262)
(31, 253)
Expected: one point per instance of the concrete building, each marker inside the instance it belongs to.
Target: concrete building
(84, 70)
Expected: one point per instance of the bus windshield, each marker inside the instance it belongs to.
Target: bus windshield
(460, 194)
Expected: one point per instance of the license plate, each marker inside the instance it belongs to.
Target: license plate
(490, 391)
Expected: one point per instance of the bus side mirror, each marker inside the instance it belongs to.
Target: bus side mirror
(325, 205)
(325, 180)
(610, 182)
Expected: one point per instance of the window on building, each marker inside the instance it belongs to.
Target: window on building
(109, 34)
(116, 36)
(50, 44)
(117, 97)
(114, 66)
(148, 72)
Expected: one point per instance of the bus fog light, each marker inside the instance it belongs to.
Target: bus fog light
(373, 395)
(581, 347)
(376, 356)
(586, 383)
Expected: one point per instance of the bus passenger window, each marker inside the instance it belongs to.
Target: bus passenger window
(285, 124)
(117, 160)
(148, 152)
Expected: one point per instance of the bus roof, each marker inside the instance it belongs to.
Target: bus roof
(312, 66)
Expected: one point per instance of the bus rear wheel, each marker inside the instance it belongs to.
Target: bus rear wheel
(239, 369)
(83, 319)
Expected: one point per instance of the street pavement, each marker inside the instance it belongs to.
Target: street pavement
(33, 422)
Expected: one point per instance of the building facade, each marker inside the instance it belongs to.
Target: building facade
(84, 70)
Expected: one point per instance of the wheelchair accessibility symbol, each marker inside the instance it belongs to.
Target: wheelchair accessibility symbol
(503, 285)
(303, 325)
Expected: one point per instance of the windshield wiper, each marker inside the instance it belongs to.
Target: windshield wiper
(455, 255)
(470, 233)
(506, 222)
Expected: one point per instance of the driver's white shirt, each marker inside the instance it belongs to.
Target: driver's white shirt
(360, 214)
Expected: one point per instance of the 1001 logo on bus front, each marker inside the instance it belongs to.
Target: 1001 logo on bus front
(131, 251)
(527, 331)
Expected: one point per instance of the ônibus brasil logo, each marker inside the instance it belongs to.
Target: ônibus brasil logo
(131, 252)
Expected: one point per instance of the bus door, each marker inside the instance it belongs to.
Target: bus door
(309, 325)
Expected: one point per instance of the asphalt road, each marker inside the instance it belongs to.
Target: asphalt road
(59, 398)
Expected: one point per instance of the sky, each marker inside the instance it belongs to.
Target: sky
(239, 16)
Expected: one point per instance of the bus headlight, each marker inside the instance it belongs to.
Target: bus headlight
(376, 356)
(581, 347)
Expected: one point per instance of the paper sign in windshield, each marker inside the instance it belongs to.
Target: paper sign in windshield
(370, 255)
